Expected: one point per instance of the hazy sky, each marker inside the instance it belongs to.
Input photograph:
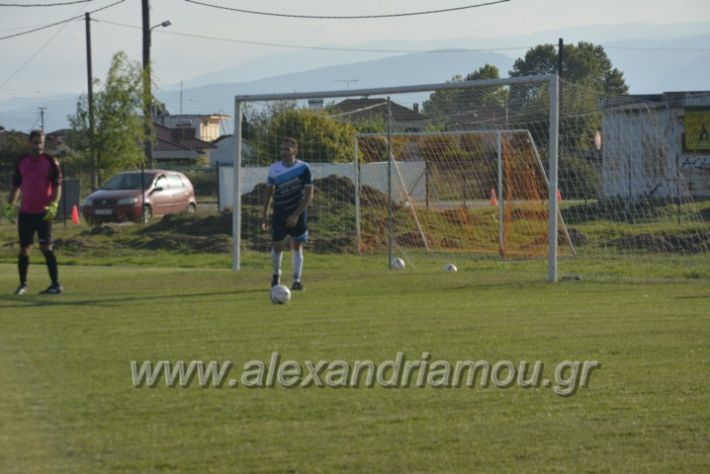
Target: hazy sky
(54, 60)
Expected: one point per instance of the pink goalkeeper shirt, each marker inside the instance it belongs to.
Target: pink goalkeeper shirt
(37, 177)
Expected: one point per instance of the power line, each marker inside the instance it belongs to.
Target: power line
(33, 56)
(347, 17)
(44, 45)
(343, 49)
(40, 28)
(27, 5)
(322, 48)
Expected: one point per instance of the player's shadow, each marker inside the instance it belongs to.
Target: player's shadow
(30, 301)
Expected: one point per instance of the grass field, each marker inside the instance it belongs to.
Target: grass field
(68, 404)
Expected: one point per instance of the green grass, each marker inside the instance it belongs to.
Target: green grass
(67, 403)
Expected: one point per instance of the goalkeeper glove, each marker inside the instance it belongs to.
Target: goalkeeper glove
(51, 211)
(9, 212)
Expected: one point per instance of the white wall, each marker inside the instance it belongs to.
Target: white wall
(408, 178)
(224, 153)
(643, 153)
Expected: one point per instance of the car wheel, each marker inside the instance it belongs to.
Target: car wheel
(191, 209)
(147, 214)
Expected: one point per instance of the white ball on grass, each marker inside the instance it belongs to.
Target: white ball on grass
(280, 294)
(397, 264)
(450, 267)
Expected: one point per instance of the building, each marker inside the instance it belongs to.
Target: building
(656, 146)
(178, 146)
(403, 118)
(205, 127)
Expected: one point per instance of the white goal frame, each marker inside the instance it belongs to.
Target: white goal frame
(552, 82)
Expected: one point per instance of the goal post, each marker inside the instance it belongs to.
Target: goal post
(538, 96)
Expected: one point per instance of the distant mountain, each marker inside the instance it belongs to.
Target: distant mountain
(421, 68)
(515, 46)
(650, 65)
(653, 66)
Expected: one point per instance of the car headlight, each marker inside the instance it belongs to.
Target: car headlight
(128, 200)
(88, 202)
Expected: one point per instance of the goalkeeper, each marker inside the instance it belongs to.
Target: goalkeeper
(38, 179)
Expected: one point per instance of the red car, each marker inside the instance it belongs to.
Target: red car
(125, 198)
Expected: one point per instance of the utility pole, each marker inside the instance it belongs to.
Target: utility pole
(41, 118)
(147, 93)
(560, 74)
(560, 65)
(90, 95)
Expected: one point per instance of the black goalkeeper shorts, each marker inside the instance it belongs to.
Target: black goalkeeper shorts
(28, 224)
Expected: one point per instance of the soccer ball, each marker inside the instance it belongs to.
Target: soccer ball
(397, 264)
(450, 267)
(280, 294)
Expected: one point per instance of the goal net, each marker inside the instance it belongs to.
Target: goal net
(515, 168)
(455, 194)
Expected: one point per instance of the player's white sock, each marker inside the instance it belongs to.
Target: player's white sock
(276, 258)
(297, 258)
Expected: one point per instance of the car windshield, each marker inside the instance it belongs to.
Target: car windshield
(128, 181)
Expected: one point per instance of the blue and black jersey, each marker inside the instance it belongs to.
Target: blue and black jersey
(289, 185)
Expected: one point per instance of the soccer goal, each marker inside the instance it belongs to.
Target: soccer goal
(467, 166)
(522, 168)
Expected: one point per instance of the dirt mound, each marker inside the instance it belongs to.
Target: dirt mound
(335, 189)
(694, 242)
(219, 243)
(80, 243)
(107, 228)
(192, 224)
(415, 239)
(577, 237)
(332, 189)
(257, 196)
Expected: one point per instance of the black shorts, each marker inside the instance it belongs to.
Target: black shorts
(279, 231)
(28, 224)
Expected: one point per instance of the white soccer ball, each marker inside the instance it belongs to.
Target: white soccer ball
(450, 267)
(397, 264)
(280, 294)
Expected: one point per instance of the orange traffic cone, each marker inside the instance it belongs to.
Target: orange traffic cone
(494, 199)
(75, 214)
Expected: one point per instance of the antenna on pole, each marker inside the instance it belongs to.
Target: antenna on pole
(347, 82)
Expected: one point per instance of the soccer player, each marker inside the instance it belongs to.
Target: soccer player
(39, 179)
(291, 188)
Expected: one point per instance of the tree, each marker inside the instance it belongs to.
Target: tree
(584, 66)
(320, 138)
(12, 146)
(587, 74)
(118, 133)
(453, 105)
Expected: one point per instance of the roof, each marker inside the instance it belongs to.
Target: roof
(6, 134)
(656, 101)
(369, 108)
(198, 116)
